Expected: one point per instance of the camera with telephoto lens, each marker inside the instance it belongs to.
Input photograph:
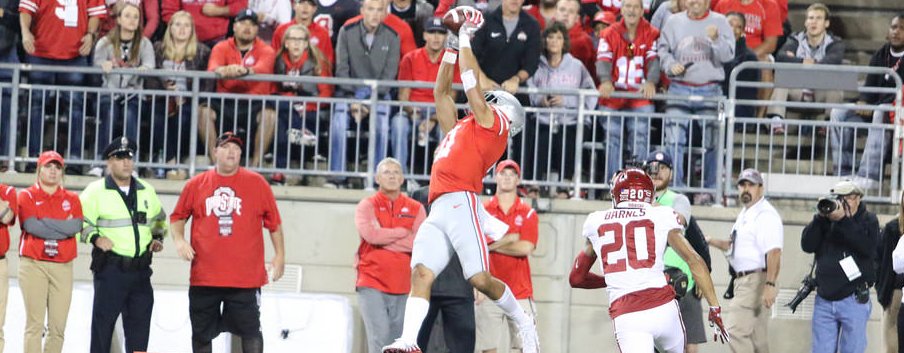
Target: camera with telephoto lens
(806, 286)
(828, 204)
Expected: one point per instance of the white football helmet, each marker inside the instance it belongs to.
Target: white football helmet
(509, 106)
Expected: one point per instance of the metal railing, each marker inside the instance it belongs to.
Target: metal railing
(572, 149)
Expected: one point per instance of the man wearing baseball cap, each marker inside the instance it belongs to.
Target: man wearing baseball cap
(125, 223)
(227, 247)
(844, 243)
(508, 259)
(754, 252)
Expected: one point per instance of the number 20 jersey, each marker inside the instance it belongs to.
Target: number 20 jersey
(630, 243)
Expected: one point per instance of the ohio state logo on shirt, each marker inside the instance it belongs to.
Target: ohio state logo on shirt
(519, 221)
(223, 202)
(66, 205)
(249, 61)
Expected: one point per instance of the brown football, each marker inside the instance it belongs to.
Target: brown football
(454, 19)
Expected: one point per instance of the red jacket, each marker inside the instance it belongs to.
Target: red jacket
(36, 205)
(387, 230)
(260, 59)
(582, 49)
(8, 194)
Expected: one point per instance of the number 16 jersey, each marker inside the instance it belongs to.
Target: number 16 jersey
(630, 241)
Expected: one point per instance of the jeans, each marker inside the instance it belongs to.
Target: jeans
(637, 137)
(340, 124)
(676, 139)
(845, 317)
(171, 130)
(842, 140)
(73, 99)
(6, 76)
(117, 115)
(288, 119)
(403, 129)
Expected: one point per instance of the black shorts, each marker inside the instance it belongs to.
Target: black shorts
(240, 314)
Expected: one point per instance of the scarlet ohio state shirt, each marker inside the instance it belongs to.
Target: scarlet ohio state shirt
(58, 26)
(629, 60)
(228, 214)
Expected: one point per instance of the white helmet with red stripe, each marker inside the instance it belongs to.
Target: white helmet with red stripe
(508, 107)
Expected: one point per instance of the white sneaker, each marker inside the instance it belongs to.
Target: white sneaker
(530, 343)
(96, 171)
(400, 346)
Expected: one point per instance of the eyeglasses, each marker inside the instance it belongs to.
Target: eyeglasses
(296, 39)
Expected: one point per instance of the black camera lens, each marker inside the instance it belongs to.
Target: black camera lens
(826, 205)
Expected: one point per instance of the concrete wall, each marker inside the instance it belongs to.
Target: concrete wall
(320, 236)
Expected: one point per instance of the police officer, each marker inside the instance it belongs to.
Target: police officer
(125, 222)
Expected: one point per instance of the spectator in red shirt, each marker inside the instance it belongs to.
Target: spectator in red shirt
(304, 15)
(243, 55)
(508, 259)
(58, 35)
(150, 16)
(298, 120)
(601, 21)
(211, 17)
(419, 65)
(8, 210)
(568, 12)
(387, 223)
(50, 217)
(179, 50)
(544, 12)
(228, 205)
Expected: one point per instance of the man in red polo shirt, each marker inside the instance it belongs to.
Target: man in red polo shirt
(304, 15)
(227, 205)
(387, 223)
(242, 55)
(8, 206)
(508, 259)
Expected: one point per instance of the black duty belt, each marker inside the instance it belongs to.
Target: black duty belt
(744, 273)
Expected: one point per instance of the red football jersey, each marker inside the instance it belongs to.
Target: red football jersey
(227, 214)
(763, 19)
(514, 271)
(465, 155)
(416, 66)
(59, 29)
(629, 60)
(61, 205)
(8, 194)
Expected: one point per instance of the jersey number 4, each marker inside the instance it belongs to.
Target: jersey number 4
(446, 145)
(634, 240)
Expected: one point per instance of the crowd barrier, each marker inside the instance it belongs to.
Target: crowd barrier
(564, 151)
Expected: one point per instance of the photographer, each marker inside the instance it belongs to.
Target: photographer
(843, 236)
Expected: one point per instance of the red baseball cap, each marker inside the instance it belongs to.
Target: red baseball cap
(228, 137)
(604, 17)
(50, 156)
(508, 163)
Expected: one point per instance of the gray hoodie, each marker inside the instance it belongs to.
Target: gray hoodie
(683, 40)
(570, 73)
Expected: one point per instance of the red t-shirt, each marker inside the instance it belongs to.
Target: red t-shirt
(227, 214)
(8, 194)
(582, 48)
(56, 38)
(61, 205)
(629, 60)
(206, 28)
(260, 58)
(763, 19)
(514, 271)
(465, 155)
(320, 38)
(381, 268)
(416, 66)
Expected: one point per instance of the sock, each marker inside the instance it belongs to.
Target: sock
(512, 309)
(415, 312)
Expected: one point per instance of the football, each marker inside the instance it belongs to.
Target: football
(454, 19)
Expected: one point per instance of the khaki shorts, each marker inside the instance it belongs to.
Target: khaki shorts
(495, 330)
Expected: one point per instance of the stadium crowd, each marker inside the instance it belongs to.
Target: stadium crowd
(678, 47)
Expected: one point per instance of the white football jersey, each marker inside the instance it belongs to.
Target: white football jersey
(630, 242)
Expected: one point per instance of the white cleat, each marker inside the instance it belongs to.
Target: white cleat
(400, 346)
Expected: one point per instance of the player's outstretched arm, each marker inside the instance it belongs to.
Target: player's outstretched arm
(446, 113)
(580, 276)
(470, 70)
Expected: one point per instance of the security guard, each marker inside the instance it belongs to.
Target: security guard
(125, 222)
